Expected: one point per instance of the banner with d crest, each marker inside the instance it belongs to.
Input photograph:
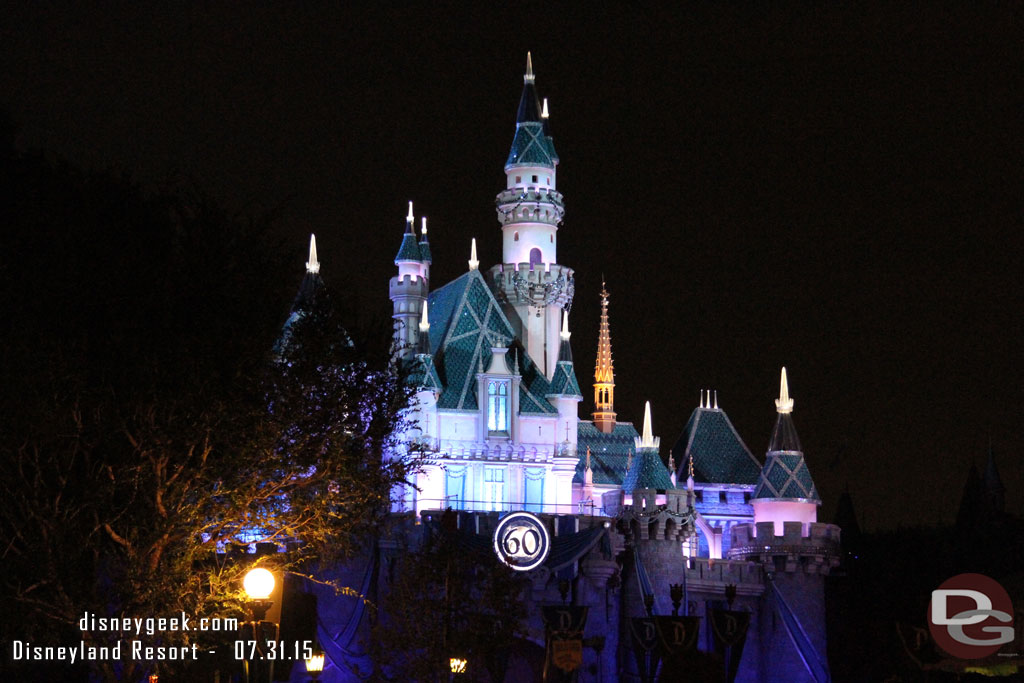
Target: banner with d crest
(564, 627)
(729, 633)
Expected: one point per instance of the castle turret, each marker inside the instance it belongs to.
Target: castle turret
(785, 491)
(565, 390)
(796, 553)
(532, 286)
(408, 290)
(647, 471)
(604, 373)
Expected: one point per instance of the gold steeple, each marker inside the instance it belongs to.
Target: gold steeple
(604, 373)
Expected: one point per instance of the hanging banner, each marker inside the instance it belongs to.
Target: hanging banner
(729, 633)
(644, 634)
(563, 626)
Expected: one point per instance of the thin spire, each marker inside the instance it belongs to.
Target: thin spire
(784, 404)
(424, 227)
(588, 457)
(410, 220)
(528, 77)
(473, 262)
(312, 265)
(716, 399)
(544, 110)
(648, 440)
(629, 461)
(565, 326)
(604, 372)
(424, 321)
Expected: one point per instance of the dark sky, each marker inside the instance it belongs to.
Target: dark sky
(836, 189)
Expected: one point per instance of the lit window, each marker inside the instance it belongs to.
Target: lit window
(497, 407)
(494, 488)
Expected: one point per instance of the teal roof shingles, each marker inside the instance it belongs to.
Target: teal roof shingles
(409, 249)
(719, 454)
(609, 453)
(465, 321)
(422, 373)
(785, 474)
(531, 147)
(564, 382)
(647, 472)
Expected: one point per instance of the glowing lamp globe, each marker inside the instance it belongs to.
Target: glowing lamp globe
(315, 663)
(258, 584)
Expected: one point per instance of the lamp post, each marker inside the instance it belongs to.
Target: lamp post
(259, 584)
(315, 664)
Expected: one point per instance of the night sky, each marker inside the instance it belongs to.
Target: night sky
(835, 189)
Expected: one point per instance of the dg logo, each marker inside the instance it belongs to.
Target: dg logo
(522, 541)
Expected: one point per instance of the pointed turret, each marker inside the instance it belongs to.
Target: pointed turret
(563, 382)
(311, 287)
(409, 250)
(785, 490)
(604, 373)
(647, 471)
(408, 289)
(424, 244)
(474, 262)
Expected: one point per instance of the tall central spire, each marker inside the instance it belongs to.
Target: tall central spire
(604, 373)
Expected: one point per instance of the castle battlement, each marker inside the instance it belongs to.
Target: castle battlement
(813, 547)
(413, 283)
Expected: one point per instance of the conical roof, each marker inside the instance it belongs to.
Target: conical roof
(531, 146)
(785, 475)
(647, 471)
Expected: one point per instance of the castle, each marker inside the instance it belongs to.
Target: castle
(704, 530)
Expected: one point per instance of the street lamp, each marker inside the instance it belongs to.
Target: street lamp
(259, 584)
(315, 664)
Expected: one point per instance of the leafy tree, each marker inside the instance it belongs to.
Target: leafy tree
(447, 597)
(147, 422)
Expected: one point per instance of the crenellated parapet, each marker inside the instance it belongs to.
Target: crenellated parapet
(538, 285)
(535, 204)
(811, 548)
(647, 519)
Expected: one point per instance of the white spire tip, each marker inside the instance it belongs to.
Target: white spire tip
(784, 404)
(473, 262)
(544, 110)
(410, 217)
(312, 265)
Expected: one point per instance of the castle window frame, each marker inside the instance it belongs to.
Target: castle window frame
(497, 408)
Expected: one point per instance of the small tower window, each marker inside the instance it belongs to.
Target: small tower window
(515, 237)
(519, 178)
(535, 257)
(534, 178)
(552, 239)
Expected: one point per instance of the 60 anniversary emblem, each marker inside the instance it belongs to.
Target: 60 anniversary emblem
(522, 541)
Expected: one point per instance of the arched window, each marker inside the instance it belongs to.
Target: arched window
(515, 237)
(535, 257)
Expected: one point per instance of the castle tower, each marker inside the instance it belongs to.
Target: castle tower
(408, 290)
(785, 491)
(565, 390)
(796, 553)
(604, 373)
(533, 287)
